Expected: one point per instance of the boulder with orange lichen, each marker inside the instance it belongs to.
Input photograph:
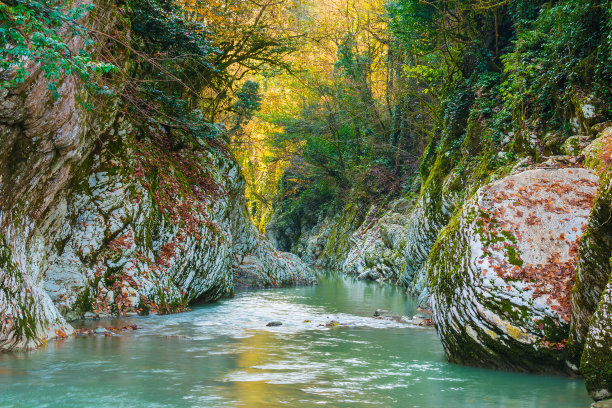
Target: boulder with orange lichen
(501, 272)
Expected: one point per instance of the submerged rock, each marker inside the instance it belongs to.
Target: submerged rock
(603, 404)
(110, 331)
(415, 320)
(502, 271)
(274, 324)
(387, 315)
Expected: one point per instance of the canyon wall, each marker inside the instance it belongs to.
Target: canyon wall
(98, 219)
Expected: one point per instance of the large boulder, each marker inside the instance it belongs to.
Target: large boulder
(502, 270)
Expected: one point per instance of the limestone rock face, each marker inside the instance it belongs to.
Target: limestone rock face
(395, 247)
(377, 251)
(596, 362)
(94, 220)
(123, 247)
(27, 314)
(43, 140)
(502, 270)
(591, 329)
(327, 243)
(593, 269)
(257, 263)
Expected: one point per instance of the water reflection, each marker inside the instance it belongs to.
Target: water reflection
(223, 355)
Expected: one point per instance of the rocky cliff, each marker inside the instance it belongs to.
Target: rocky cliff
(591, 304)
(97, 218)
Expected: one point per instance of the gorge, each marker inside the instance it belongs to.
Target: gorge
(159, 156)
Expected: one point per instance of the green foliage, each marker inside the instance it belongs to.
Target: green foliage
(164, 28)
(567, 47)
(413, 22)
(248, 99)
(174, 69)
(176, 115)
(472, 81)
(39, 32)
(248, 102)
(516, 66)
(303, 203)
(188, 70)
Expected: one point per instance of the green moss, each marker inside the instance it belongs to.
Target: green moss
(26, 324)
(84, 301)
(572, 146)
(513, 256)
(338, 243)
(596, 361)
(450, 243)
(112, 275)
(593, 269)
(493, 234)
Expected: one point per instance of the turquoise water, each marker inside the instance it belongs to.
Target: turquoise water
(223, 355)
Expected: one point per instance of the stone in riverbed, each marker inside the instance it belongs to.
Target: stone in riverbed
(387, 315)
(416, 320)
(101, 330)
(274, 324)
(380, 312)
(90, 315)
(603, 404)
(502, 271)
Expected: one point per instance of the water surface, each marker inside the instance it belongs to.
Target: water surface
(223, 355)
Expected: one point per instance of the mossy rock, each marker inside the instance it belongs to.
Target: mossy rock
(593, 269)
(596, 362)
(500, 273)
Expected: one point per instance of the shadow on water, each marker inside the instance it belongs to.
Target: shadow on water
(223, 355)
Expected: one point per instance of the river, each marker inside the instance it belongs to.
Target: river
(224, 355)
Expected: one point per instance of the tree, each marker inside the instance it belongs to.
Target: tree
(36, 35)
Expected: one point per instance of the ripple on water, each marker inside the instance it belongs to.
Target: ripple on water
(224, 356)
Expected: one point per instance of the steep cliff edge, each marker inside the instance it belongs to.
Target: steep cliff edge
(97, 217)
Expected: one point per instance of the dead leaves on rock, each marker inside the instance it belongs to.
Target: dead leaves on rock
(553, 279)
